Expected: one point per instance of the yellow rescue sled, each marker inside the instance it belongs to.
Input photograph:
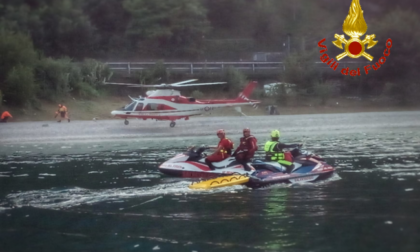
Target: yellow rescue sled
(220, 182)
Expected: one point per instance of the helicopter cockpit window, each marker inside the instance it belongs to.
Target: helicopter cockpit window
(154, 106)
(130, 107)
(139, 106)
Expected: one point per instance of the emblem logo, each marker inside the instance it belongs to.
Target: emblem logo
(355, 26)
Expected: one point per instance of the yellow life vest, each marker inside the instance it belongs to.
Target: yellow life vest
(272, 155)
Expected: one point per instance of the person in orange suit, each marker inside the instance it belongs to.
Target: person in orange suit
(5, 116)
(223, 150)
(62, 111)
(246, 149)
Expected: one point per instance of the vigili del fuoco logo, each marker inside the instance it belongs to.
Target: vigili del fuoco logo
(354, 26)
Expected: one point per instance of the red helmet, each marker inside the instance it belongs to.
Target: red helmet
(247, 130)
(221, 131)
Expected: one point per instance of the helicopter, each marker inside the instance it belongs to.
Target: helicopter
(165, 103)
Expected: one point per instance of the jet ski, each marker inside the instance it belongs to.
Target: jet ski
(307, 167)
(191, 164)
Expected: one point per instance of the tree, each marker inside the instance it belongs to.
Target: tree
(20, 85)
(56, 27)
(300, 70)
(231, 18)
(66, 30)
(17, 62)
(324, 91)
(235, 80)
(404, 60)
(167, 27)
(111, 20)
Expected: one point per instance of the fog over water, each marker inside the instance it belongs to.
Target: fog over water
(88, 186)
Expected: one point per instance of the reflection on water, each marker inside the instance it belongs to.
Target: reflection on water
(116, 200)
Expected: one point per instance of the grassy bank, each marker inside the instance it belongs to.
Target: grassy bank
(100, 108)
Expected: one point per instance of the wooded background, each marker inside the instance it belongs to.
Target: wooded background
(50, 48)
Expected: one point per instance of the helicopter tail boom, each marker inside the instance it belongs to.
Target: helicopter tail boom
(244, 95)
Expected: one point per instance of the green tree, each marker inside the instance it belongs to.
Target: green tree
(54, 78)
(155, 75)
(300, 70)
(167, 27)
(20, 85)
(231, 18)
(405, 92)
(404, 59)
(58, 78)
(111, 20)
(235, 80)
(17, 62)
(66, 30)
(94, 72)
(324, 91)
(56, 27)
(15, 49)
(268, 27)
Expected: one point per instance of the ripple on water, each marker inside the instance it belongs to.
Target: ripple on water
(369, 153)
(20, 175)
(71, 197)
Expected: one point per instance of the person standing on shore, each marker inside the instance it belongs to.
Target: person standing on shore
(5, 116)
(62, 111)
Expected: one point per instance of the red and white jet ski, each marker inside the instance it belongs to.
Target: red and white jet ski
(307, 167)
(191, 164)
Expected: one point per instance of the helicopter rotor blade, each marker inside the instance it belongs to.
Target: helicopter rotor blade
(200, 84)
(150, 86)
(185, 83)
(135, 85)
(181, 82)
(123, 84)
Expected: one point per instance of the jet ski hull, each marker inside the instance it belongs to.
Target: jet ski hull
(200, 174)
(182, 166)
(276, 178)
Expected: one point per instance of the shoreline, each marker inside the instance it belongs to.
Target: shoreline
(100, 108)
(291, 126)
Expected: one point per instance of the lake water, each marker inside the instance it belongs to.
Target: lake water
(109, 196)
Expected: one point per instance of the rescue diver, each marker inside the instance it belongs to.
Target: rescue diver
(274, 151)
(223, 150)
(246, 149)
(62, 111)
(5, 116)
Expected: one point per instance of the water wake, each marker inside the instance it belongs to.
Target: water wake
(76, 196)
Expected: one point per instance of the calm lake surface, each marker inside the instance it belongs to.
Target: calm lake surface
(109, 196)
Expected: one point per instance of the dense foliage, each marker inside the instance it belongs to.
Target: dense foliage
(44, 43)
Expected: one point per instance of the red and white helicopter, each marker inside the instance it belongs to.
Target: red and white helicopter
(168, 104)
